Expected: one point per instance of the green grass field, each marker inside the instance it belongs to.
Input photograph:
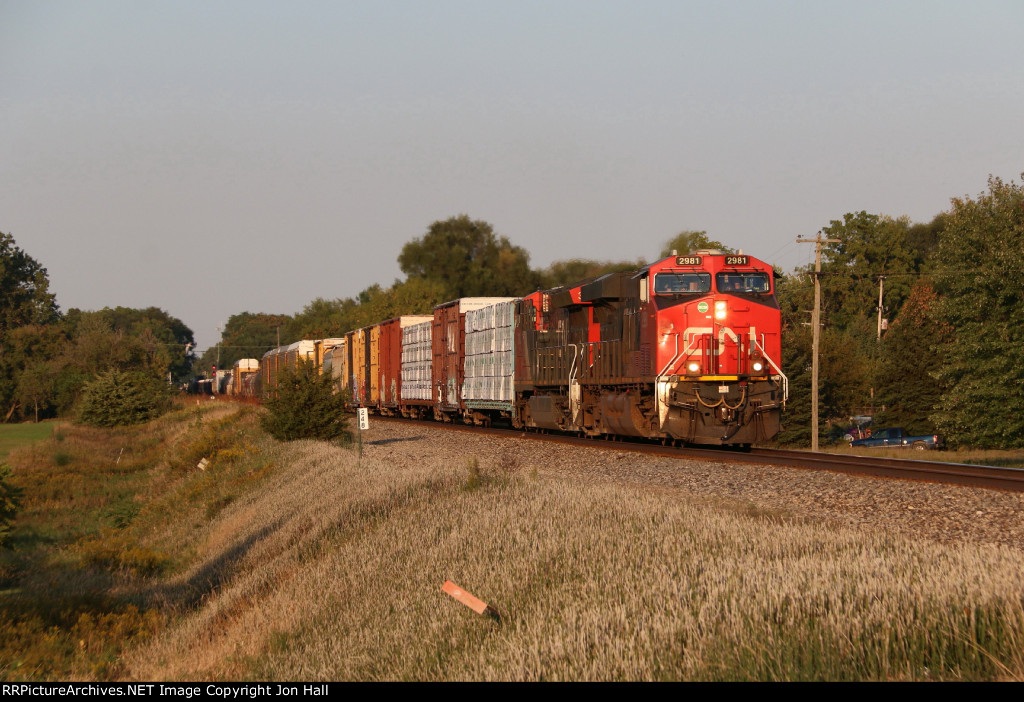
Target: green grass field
(14, 435)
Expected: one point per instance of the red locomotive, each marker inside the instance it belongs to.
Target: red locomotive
(686, 349)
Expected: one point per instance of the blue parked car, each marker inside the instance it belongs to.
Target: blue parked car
(897, 438)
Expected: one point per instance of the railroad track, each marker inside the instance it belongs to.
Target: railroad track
(992, 477)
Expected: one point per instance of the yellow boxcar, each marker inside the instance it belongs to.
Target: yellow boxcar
(373, 366)
(357, 365)
(243, 368)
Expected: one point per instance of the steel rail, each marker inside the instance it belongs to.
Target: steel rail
(990, 477)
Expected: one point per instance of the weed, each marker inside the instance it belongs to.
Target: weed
(122, 514)
(117, 551)
(473, 477)
(197, 417)
(509, 465)
(61, 459)
(214, 506)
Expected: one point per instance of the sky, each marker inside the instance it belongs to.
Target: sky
(214, 158)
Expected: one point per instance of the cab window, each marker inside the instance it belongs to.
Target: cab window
(682, 283)
(749, 283)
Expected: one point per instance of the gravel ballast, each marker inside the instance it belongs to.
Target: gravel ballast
(942, 513)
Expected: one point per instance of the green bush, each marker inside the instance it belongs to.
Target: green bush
(116, 398)
(304, 406)
(10, 500)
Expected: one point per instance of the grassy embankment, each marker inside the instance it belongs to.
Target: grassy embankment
(299, 562)
(81, 577)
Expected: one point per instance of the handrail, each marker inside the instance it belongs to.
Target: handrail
(773, 364)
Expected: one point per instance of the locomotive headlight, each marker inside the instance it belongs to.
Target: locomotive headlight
(757, 365)
(720, 309)
(693, 367)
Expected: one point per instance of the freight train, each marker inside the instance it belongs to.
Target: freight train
(686, 350)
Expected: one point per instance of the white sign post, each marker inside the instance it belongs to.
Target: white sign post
(364, 423)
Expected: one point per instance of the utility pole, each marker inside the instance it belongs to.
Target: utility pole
(816, 333)
(881, 285)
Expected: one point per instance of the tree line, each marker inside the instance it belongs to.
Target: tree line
(947, 359)
(47, 358)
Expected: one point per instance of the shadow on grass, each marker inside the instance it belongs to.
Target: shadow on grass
(383, 442)
(212, 575)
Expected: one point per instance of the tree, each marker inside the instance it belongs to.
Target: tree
(912, 354)
(691, 240)
(36, 385)
(979, 276)
(321, 319)
(25, 300)
(246, 335)
(468, 259)
(870, 246)
(118, 398)
(850, 357)
(24, 289)
(577, 269)
(94, 347)
(412, 296)
(27, 368)
(163, 339)
(10, 501)
(305, 406)
(923, 239)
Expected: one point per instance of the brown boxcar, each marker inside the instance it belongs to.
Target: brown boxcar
(448, 338)
(390, 366)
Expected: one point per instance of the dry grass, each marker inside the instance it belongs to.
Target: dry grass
(299, 561)
(332, 570)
